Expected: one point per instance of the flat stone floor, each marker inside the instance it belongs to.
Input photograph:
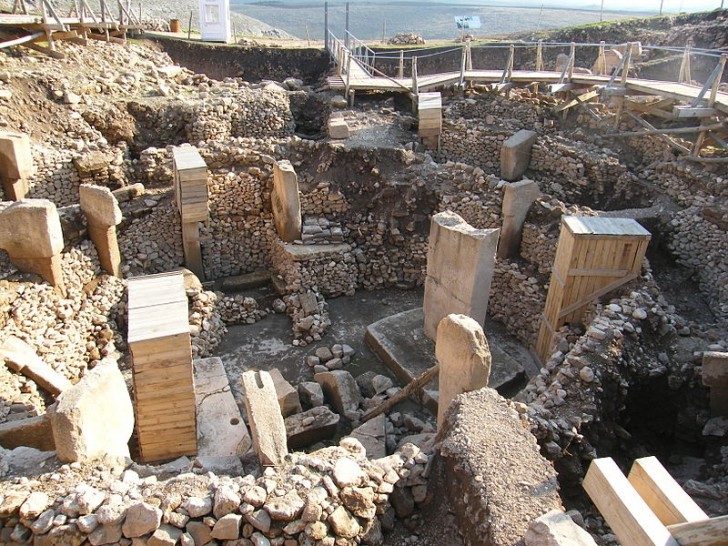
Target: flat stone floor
(267, 344)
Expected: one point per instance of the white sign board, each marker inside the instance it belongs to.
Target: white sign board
(467, 22)
(215, 20)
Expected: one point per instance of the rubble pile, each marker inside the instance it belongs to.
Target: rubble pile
(332, 496)
(406, 39)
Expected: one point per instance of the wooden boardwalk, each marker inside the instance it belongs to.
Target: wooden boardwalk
(361, 80)
(40, 31)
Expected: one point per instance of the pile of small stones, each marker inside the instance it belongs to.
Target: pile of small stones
(239, 309)
(309, 314)
(334, 496)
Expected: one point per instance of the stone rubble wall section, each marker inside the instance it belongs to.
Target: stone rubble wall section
(331, 275)
(517, 300)
(74, 333)
(322, 201)
(241, 232)
(584, 384)
(335, 496)
(700, 245)
(579, 172)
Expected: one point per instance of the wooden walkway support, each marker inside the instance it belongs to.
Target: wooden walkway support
(356, 72)
(190, 190)
(47, 26)
(594, 256)
(649, 508)
(160, 345)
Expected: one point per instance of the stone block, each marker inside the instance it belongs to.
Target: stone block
(286, 201)
(288, 398)
(221, 431)
(99, 205)
(516, 154)
(372, 436)
(91, 163)
(517, 199)
(464, 357)
(16, 160)
(266, 425)
(311, 394)
(33, 432)
(31, 229)
(338, 129)
(340, 389)
(460, 262)
(21, 357)
(309, 427)
(556, 529)
(95, 417)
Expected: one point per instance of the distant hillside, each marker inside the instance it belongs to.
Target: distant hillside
(706, 30)
(433, 20)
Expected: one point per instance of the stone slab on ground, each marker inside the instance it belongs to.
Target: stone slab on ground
(20, 357)
(245, 282)
(399, 340)
(267, 428)
(309, 427)
(33, 432)
(372, 436)
(221, 431)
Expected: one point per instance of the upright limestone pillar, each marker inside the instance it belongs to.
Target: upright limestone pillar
(102, 216)
(286, 202)
(464, 358)
(517, 199)
(715, 376)
(16, 164)
(31, 234)
(516, 154)
(460, 262)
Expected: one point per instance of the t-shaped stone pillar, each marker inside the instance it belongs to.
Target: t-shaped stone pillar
(464, 357)
(460, 262)
(715, 376)
(102, 216)
(30, 232)
(286, 202)
(517, 199)
(16, 164)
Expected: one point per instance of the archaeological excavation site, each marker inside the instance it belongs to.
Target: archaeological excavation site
(469, 295)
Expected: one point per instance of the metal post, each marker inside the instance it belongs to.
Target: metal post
(346, 34)
(400, 72)
(661, 3)
(326, 26)
(572, 60)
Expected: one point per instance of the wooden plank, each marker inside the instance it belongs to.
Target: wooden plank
(711, 532)
(670, 503)
(622, 507)
(692, 112)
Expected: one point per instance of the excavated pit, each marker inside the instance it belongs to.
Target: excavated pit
(374, 194)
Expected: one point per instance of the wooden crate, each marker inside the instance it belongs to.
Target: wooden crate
(594, 256)
(190, 184)
(164, 392)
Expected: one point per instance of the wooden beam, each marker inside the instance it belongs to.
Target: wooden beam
(46, 50)
(693, 112)
(711, 532)
(670, 503)
(622, 507)
(581, 99)
(560, 87)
